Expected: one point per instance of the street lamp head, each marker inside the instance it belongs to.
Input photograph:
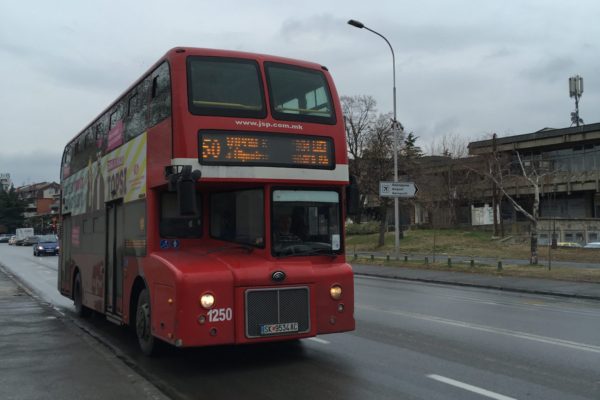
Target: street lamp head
(356, 23)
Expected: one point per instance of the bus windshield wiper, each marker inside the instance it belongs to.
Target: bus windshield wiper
(320, 252)
(306, 252)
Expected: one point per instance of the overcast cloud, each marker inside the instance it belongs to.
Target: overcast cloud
(463, 67)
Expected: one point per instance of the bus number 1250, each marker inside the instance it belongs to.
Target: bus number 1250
(220, 314)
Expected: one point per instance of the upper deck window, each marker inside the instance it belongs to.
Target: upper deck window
(299, 94)
(225, 87)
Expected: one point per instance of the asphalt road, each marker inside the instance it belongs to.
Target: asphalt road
(413, 341)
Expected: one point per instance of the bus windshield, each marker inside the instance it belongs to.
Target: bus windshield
(225, 87)
(299, 94)
(305, 222)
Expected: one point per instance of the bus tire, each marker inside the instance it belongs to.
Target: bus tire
(80, 309)
(143, 324)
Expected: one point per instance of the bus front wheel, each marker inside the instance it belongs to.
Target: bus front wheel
(143, 324)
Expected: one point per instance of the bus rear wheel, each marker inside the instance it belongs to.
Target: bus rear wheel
(80, 309)
(143, 324)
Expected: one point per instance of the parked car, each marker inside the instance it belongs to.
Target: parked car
(4, 238)
(30, 241)
(592, 245)
(13, 240)
(47, 244)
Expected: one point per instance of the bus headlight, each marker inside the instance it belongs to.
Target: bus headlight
(335, 292)
(207, 300)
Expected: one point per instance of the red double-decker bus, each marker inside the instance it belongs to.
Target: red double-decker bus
(206, 205)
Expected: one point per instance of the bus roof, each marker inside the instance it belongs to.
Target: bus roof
(241, 54)
(196, 51)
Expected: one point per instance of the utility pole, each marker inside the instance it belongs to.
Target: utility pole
(494, 186)
(397, 129)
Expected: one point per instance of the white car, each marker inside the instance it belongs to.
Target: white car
(592, 245)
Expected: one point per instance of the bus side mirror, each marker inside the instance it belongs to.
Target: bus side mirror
(186, 190)
(352, 197)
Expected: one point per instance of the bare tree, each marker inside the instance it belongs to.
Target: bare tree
(451, 145)
(359, 117)
(359, 114)
(528, 173)
(498, 165)
(448, 179)
(378, 165)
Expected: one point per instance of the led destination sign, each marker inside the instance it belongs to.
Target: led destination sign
(265, 149)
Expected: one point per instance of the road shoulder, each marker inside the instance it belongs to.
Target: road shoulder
(552, 287)
(46, 356)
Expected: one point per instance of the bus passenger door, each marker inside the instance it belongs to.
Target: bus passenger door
(64, 270)
(114, 258)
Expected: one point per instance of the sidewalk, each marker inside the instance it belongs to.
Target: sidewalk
(514, 284)
(44, 357)
(478, 260)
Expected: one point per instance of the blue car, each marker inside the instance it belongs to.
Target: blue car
(47, 244)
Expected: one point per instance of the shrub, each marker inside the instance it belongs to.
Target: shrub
(365, 228)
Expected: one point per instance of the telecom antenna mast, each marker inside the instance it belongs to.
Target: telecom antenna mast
(576, 90)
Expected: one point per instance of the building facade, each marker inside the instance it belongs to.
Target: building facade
(42, 205)
(565, 163)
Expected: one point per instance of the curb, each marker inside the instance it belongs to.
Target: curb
(481, 286)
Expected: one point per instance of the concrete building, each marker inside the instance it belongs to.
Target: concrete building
(567, 162)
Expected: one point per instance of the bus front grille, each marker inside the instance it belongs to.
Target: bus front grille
(277, 312)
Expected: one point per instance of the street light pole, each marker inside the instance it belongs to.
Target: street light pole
(397, 128)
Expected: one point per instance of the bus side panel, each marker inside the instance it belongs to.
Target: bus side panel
(158, 153)
(64, 258)
(84, 256)
(161, 280)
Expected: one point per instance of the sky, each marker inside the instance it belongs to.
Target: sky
(464, 68)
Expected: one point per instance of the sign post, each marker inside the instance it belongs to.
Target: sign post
(397, 190)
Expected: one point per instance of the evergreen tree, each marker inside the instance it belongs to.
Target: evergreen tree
(11, 210)
(411, 150)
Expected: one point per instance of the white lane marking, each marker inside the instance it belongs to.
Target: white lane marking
(500, 331)
(315, 339)
(470, 388)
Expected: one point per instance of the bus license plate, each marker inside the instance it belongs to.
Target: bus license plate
(273, 329)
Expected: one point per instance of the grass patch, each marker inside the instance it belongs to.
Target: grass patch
(466, 243)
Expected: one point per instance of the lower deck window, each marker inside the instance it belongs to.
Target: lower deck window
(238, 216)
(174, 225)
